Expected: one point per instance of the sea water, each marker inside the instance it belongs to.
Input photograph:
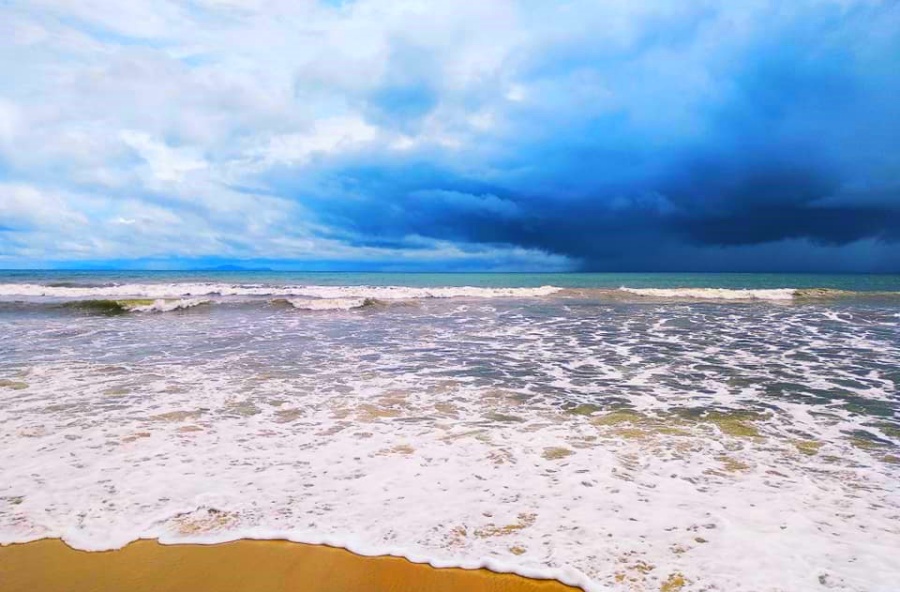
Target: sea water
(615, 431)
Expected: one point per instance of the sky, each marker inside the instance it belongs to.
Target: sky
(636, 135)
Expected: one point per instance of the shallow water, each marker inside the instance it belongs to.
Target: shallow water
(857, 282)
(611, 439)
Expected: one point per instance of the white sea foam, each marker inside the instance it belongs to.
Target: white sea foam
(166, 305)
(182, 290)
(448, 435)
(329, 303)
(446, 492)
(714, 293)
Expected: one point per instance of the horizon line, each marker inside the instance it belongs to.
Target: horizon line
(423, 272)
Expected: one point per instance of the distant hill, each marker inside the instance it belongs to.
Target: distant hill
(235, 268)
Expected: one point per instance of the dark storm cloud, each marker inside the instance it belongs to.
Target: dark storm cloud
(637, 135)
(792, 136)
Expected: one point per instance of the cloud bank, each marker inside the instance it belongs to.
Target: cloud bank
(525, 135)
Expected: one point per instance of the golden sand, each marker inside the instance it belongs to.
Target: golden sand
(253, 566)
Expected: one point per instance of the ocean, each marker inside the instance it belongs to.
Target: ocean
(613, 431)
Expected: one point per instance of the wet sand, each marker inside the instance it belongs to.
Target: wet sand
(252, 566)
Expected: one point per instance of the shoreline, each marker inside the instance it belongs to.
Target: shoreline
(245, 565)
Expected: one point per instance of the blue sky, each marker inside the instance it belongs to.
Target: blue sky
(502, 135)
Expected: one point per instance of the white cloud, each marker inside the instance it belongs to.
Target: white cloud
(158, 119)
(516, 93)
(337, 134)
(166, 164)
(9, 122)
(25, 207)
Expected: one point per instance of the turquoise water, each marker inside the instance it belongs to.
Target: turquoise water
(853, 282)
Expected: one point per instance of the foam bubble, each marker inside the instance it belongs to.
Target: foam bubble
(166, 305)
(185, 289)
(329, 303)
(714, 293)
(749, 447)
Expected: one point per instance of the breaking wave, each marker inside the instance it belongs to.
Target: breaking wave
(328, 303)
(714, 293)
(135, 305)
(188, 290)
(164, 297)
(164, 305)
(781, 294)
(639, 446)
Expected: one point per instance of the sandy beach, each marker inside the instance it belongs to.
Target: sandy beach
(730, 434)
(258, 566)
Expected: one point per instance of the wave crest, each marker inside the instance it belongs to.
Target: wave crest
(197, 290)
(714, 293)
(134, 305)
(167, 305)
(329, 303)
